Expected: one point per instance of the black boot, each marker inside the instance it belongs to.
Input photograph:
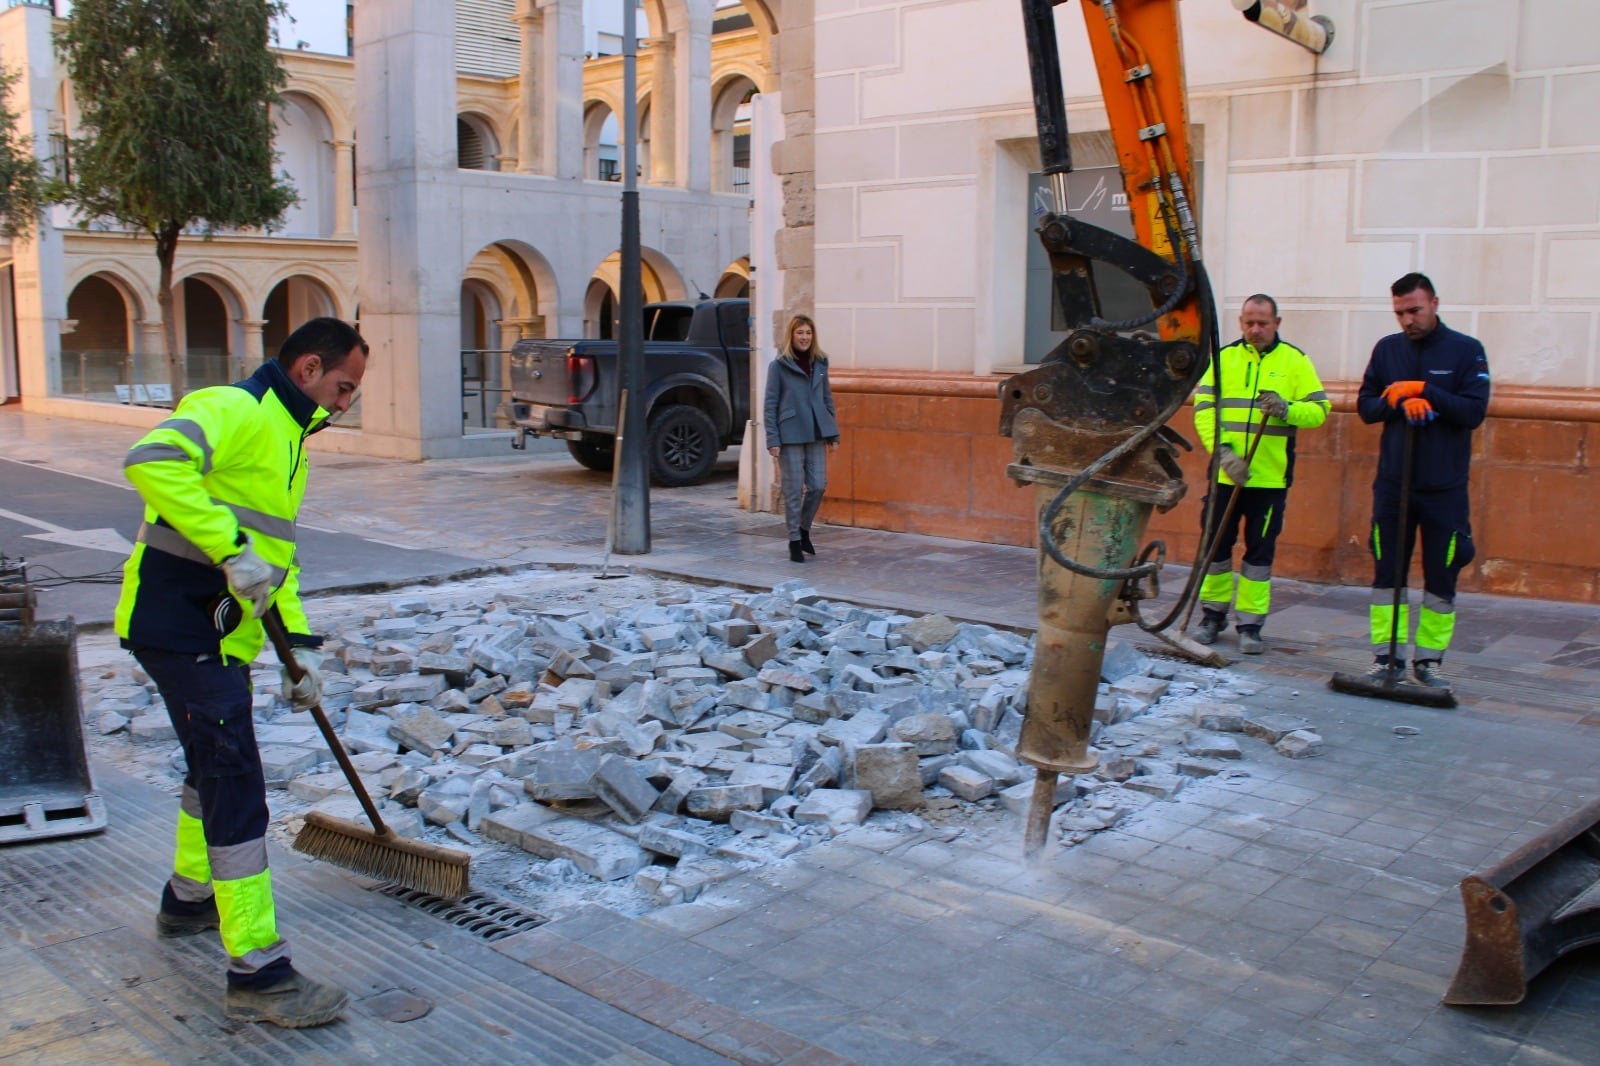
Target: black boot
(795, 554)
(805, 542)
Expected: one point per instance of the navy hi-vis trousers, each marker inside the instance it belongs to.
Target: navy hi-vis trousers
(1441, 519)
(1260, 515)
(222, 817)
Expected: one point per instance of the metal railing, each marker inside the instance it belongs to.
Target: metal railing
(113, 376)
(481, 375)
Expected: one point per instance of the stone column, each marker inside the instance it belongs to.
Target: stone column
(38, 264)
(663, 106)
(410, 266)
(692, 69)
(563, 83)
(530, 88)
(253, 353)
(344, 190)
(150, 354)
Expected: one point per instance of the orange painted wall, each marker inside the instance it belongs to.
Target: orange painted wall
(921, 453)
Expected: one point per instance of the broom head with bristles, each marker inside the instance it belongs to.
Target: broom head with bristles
(387, 856)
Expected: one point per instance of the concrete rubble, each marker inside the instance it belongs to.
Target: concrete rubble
(679, 742)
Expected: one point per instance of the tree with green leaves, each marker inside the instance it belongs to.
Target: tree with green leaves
(175, 98)
(21, 195)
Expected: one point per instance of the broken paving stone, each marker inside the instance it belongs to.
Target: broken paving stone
(673, 843)
(110, 722)
(683, 782)
(752, 823)
(716, 803)
(562, 772)
(1019, 797)
(281, 762)
(619, 785)
(773, 780)
(423, 731)
(1123, 660)
(1117, 768)
(597, 851)
(758, 651)
(1220, 717)
(1208, 745)
(1162, 786)
(152, 729)
(1274, 727)
(1145, 690)
(837, 807)
(1406, 731)
(966, 783)
(929, 734)
(864, 727)
(1299, 744)
(929, 631)
(891, 773)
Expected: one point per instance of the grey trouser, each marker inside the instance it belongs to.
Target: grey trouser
(803, 469)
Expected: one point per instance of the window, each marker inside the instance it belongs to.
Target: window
(1094, 195)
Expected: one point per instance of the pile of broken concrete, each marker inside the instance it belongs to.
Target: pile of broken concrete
(683, 740)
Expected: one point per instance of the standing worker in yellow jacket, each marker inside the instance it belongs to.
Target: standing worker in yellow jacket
(222, 481)
(1267, 385)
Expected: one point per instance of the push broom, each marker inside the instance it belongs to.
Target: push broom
(377, 852)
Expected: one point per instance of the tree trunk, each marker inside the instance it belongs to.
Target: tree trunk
(166, 252)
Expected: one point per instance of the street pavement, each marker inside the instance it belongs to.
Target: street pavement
(1306, 913)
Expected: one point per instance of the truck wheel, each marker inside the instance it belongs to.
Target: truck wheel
(593, 451)
(683, 446)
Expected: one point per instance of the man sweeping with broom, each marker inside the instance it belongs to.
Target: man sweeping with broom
(1429, 387)
(222, 481)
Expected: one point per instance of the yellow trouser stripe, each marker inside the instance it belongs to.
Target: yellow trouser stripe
(1381, 616)
(249, 919)
(1434, 630)
(191, 860)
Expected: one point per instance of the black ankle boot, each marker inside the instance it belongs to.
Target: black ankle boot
(795, 554)
(805, 542)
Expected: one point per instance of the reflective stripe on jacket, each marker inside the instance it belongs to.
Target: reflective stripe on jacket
(230, 464)
(1283, 369)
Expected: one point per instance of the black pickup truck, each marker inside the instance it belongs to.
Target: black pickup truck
(696, 389)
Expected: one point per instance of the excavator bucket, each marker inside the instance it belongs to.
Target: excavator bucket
(45, 788)
(1529, 909)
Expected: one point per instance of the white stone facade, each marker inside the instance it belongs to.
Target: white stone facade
(1455, 137)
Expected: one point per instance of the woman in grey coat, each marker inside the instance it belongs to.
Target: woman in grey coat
(800, 426)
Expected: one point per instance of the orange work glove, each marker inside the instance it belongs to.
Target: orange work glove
(1402, 390)
(1418, 411)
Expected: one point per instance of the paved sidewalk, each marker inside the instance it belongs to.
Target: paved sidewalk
(1307, 912)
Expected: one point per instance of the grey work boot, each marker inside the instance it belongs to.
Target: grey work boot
(1383, 671)
(296, 1002)
(182, 918)
(1211, 624)
(1426, 671)
(1250, 640)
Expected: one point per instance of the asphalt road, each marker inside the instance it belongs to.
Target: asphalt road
(75, 532)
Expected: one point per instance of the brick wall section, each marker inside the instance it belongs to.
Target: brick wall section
(922, 453)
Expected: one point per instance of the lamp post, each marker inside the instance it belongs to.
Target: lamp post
(630, 501)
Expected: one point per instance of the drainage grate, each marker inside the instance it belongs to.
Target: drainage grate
(482, 916)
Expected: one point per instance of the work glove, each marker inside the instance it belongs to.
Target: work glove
(1233, 465)
(307, 693)
(1272, 405)
(1418, 411)
(250, 578)
(1402, 390)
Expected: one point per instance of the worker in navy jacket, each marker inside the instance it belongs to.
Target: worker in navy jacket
(1435, 381)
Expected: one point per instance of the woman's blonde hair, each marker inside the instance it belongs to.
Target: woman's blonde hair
(787, 348)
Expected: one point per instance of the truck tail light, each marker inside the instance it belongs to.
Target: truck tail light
(580, 376)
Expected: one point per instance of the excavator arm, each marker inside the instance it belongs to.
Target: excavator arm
(1089, 423)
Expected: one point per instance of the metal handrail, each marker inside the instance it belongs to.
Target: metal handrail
(477, 385)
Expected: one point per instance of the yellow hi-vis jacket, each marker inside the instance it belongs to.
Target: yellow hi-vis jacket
(230, 464)
(1283, 369)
